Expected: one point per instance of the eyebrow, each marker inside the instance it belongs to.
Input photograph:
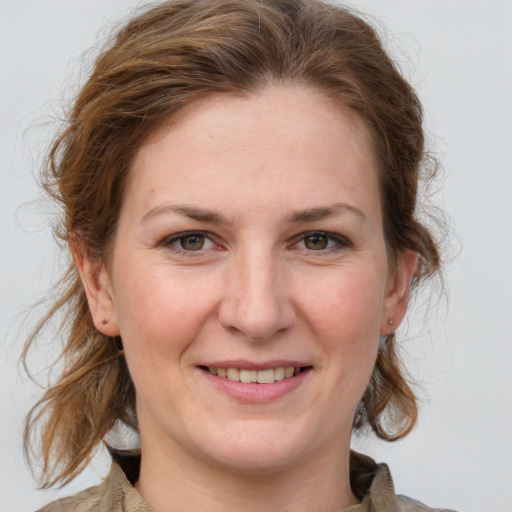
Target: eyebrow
(295, 217)
(314, 214)
(192, 212)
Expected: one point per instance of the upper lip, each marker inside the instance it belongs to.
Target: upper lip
(243, 364)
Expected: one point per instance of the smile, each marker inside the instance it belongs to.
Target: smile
(251, 382)
(265, 376)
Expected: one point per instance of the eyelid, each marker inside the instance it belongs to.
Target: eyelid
(341, 241)
(168, 242)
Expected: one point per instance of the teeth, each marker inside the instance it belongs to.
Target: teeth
(267, 376)
(248, 376)
(279, 373)
(233, 374)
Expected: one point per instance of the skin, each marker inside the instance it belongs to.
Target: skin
(258, 290)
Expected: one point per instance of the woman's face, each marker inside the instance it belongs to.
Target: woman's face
(250, 244)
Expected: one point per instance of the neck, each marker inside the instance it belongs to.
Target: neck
(182, 482)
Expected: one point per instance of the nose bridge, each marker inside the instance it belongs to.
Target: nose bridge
(257, 301)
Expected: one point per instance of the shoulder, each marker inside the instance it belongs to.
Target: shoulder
(373, 485)
(85, 501)
(114, 494)
(410, 505)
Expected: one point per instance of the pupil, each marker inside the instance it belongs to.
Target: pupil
(316, 242)
(192, 242)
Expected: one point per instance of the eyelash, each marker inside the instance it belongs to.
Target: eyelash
(340, 242)
(169, 241)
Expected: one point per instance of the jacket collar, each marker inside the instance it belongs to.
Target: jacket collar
(371, 483)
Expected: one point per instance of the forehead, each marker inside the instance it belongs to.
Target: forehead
(279, 106)
(249, 145)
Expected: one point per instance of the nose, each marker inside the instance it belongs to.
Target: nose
(257, 300)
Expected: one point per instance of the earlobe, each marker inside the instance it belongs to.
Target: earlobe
(397, 296)
(96, 283)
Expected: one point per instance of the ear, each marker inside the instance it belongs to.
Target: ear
(397, 293)
(96, 283)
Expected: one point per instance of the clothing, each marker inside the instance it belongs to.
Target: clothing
(370, 482)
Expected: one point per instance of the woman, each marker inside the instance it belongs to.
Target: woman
(238, 182)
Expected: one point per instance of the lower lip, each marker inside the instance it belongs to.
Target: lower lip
(257, 393)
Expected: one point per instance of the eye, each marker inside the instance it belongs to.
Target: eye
(190, 242)
(321, 241)
(316, 242)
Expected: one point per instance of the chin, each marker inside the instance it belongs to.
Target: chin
(265, 449)
(253, 460)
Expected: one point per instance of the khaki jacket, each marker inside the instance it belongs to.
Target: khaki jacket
(370, 482)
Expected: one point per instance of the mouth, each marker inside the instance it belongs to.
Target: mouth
(251, 376)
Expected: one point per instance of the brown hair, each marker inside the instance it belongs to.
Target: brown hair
(160, 61)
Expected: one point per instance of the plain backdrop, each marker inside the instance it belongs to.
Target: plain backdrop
(458, 54)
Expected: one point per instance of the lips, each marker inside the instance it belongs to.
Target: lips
(248, 376)
(250, 382)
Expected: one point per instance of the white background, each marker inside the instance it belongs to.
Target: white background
(459, 56)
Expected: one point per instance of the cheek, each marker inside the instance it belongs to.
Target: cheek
(345, 312)
(160, 314)
(345, 304)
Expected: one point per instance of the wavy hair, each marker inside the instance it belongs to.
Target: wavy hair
(160, 61)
